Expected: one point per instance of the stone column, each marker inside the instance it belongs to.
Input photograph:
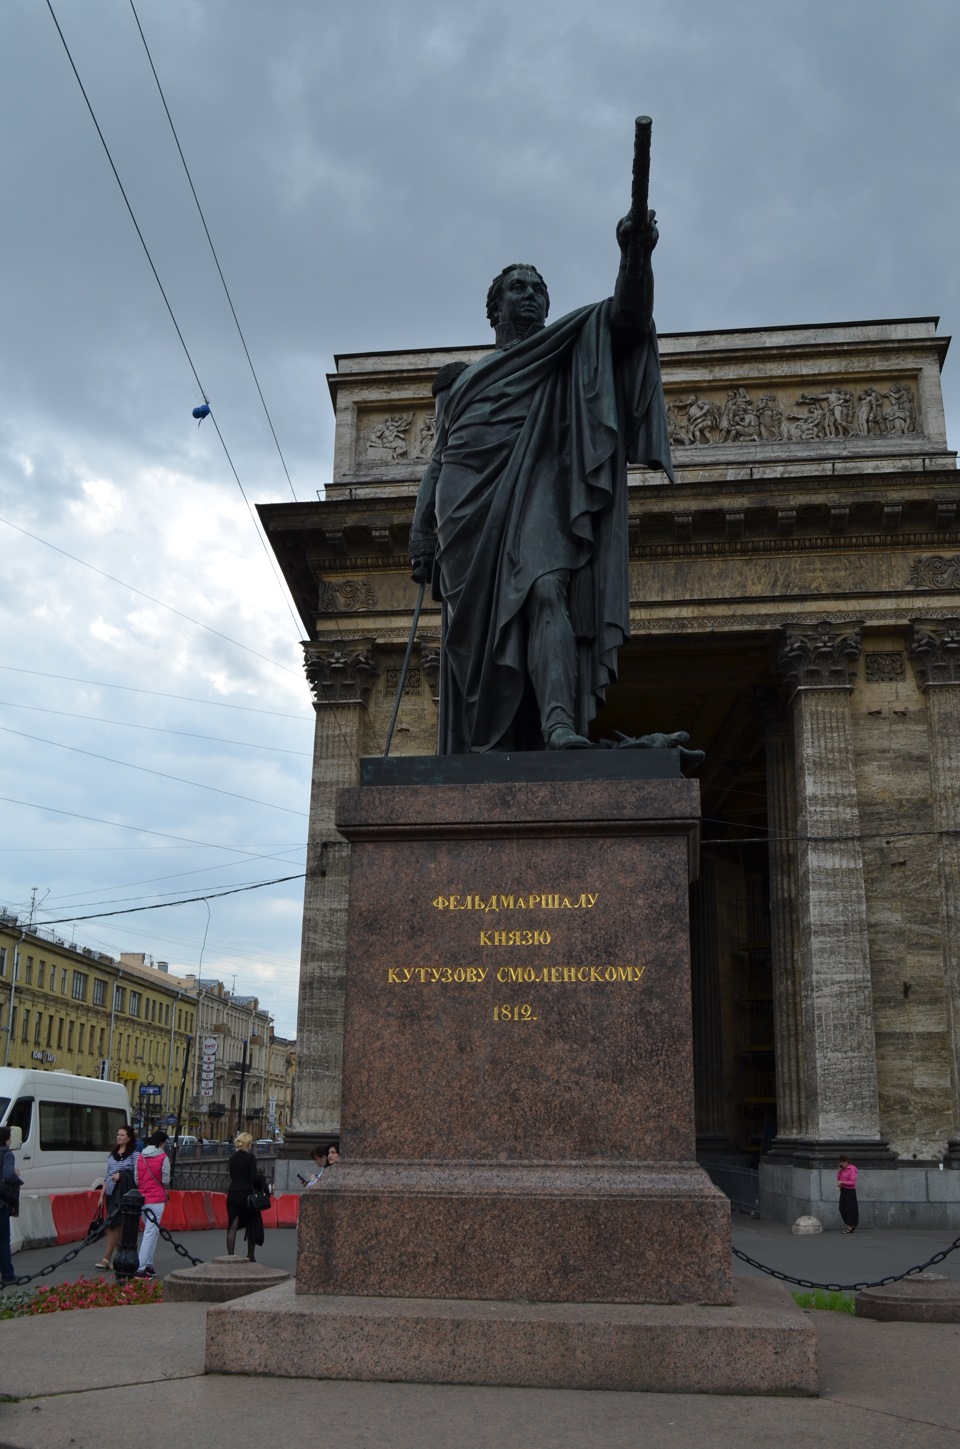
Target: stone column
(341, 676)
(784, 926)
(708, 1076)
(935, 649)
(839, 1051)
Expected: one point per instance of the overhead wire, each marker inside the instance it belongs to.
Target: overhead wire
(149, 597)
(138, 829)
(145, 769)
(158, 693)
(187, 901)
(176, 325)
(154, 729)
(213, 251)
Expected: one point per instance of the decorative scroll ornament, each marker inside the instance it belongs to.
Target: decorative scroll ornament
(338, 677)
(883, 668)
(821, 657)
(346, 596)
(935, 650)
(935, 573)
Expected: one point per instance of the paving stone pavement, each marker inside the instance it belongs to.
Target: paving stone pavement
(68, 1376)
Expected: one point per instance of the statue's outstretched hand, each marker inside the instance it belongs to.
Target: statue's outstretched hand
(678, 740)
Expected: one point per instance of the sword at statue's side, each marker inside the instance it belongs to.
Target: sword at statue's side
(406, 666)
(639, 191)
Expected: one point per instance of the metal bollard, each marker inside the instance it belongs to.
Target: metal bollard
(126, 1258)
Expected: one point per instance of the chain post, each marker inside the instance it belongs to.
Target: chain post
(126, 1259)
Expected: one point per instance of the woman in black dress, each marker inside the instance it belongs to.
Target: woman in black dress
(245, 1178)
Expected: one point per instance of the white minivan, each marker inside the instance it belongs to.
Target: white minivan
(67, 1125)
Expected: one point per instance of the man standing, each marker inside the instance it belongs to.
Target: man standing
(521, 518)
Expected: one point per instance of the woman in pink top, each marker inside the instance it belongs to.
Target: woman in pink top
(847, 1178)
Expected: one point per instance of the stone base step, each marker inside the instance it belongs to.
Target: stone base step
(762, 1344)
(221, 1280)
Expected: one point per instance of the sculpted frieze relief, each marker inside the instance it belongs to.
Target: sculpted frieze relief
(385, 439)
(786, 415)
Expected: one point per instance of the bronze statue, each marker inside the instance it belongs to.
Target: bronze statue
(521, 517)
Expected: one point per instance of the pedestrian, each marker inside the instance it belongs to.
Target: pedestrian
(333, 1153)
(153, 1180)
(10, 1184)
(319, 1155)
(118, 1178)
(849, 1209)
(245, 1178)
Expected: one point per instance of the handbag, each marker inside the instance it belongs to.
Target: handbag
(258, 1201)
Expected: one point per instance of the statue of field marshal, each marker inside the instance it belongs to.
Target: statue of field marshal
(521, 517)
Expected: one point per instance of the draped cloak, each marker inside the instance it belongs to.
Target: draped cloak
(529, 476)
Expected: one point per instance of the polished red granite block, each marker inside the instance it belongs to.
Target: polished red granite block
(517, 1115)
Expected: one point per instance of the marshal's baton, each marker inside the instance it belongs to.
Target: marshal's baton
(406, 667)
(639, 188)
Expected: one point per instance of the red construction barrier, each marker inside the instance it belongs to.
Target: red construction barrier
(217, 1208)
(174, 1214)
(288, 1209)
(72, 1212)
(195, 1212)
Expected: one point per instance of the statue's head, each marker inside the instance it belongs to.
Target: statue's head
(518, 300)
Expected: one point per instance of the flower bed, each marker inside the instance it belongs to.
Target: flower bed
(85, 1293)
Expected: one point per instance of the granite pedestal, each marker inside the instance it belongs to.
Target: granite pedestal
(518, 1122)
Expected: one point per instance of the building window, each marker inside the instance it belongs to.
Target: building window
(70, 1026)
(41, 973)
(153, 1011)
(80, 1039)
(99, 992)
(16, 965)
(3, 960)
(49, 1031)
(118, 998)
(25, 1033)
(166, 1014)
(179, 1016)
(38, 1029)
(79, 986)
(28, 976)
(60, 1034)
(135, 1003)
(13, 1023)
(103, 1032)
(63, 982)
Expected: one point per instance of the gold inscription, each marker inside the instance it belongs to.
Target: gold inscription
(437, 975)
(568, 975)
(515, 938)
(549, 901)
(503, 1012)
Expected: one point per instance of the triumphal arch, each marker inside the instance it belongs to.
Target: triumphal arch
(795, 606)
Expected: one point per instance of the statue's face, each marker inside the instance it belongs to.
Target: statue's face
(523, 300)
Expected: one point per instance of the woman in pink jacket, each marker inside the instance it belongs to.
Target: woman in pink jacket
(849, 1210)
(153, 1180)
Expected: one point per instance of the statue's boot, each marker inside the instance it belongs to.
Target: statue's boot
(565, 737)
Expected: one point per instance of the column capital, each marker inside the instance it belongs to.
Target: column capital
(819, 656)
(341, 672)
(935, 650)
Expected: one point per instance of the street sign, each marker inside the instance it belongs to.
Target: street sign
(149, 1090)
(171, 1119)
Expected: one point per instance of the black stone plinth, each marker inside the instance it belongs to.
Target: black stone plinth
(521, 767)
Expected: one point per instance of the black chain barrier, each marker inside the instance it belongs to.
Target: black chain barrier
(848, 1287)
(178, 1247)
(25, 1278)
(89, 1240)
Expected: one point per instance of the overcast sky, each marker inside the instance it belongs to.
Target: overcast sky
(364, 170)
